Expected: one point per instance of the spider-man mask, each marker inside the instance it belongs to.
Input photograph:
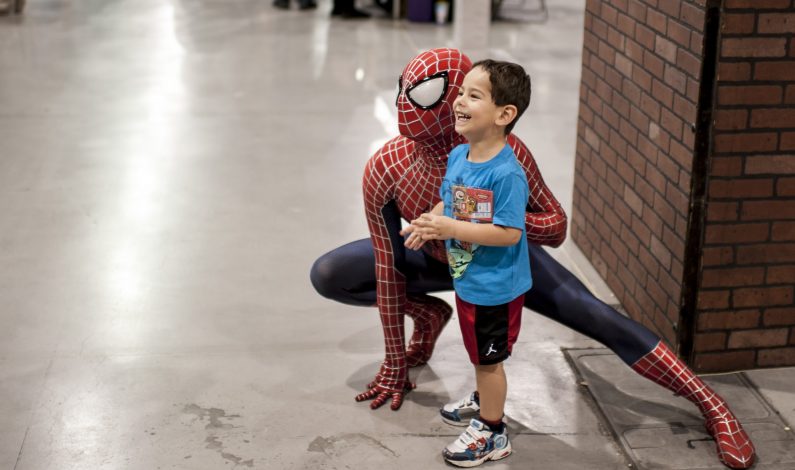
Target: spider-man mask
(426, 90)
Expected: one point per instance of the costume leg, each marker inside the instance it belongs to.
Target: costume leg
(557, 294)
(662, 366)
(347, 274)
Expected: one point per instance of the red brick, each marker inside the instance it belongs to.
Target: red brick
(775, 71)
(758, 338)
(734, 71)
(736, 233)
(670, 8)
(724, 361)
(673, 124)
(679, 33)
(637, 10)
(754, 47)
(766, 253)
(710, 342)
(762, 296)
(774, 23)
(613, 78)
(665, 48)
(655, 178)
(785, 187)
(727, 166)
(773, 164)
(646, 192)
(713, 299)
(692, 15)
(696, 42)
(781, 274)
(767, 210)
(741, 188)
(717, 256)
(776, 118)
(757, 4)
(733, 277)
(656, 20)
(662, 93)
(728, 320)
(789, 96)
(679, 199)
(608, 13)
(626, 25)
(738, 23)
(641, 230)
(688, 62)
(722, 211)
(787, 141)
(783, 231)
(761, 94)
(650, 106)
(674, 78)
(599, 28)
(725, 143)
(645, 36)
(731, 119)
(661, 252)
(777, 357)
(779, 316)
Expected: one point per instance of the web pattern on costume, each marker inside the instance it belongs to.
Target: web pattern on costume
(662, 367)
(409, 170)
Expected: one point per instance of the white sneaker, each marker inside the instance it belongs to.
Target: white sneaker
(461, 412)
(476, 445)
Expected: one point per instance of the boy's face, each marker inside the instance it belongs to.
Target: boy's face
(475, 111)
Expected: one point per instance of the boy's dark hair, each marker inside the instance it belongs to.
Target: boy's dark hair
(510, 84)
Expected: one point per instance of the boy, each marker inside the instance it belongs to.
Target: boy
(482, 219)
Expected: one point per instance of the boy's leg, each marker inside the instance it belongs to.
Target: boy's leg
(489, 333)
(493, 388)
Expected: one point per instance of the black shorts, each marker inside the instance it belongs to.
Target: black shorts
(489, 331)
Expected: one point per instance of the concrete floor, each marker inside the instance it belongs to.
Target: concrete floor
(169, 171)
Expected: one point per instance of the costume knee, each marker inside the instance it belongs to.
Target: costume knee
(346, 274)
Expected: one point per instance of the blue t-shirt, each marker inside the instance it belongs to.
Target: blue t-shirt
(490, 192)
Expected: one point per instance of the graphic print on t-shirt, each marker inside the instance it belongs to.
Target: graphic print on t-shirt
(469, 204)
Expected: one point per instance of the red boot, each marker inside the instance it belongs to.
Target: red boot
(662, 367)
(429, 314)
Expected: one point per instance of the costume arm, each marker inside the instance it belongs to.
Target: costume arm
(379, 181)
(545, 219)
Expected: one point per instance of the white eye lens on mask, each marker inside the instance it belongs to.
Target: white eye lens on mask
(428, 92)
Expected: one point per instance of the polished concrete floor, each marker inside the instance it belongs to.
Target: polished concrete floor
(169, 170)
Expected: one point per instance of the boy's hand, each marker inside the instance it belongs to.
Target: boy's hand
(414, 240)
(434, 227)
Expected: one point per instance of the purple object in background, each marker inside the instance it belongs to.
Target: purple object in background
(420, 10)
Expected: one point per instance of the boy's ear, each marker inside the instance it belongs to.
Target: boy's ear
(506, 115)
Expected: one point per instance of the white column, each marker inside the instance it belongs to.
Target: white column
(471, 25)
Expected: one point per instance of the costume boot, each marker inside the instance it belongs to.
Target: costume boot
(662, 366)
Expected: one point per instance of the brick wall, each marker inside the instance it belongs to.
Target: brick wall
(746, 311)
(635, 147)
(684, 194)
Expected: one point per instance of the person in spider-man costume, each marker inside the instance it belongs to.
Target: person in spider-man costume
(401, 180)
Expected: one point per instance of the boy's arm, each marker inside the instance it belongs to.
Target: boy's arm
(439, 227)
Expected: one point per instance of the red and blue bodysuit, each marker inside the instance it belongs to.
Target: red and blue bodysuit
(401, 181)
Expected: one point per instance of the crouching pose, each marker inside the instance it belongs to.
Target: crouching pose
(402, 180)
